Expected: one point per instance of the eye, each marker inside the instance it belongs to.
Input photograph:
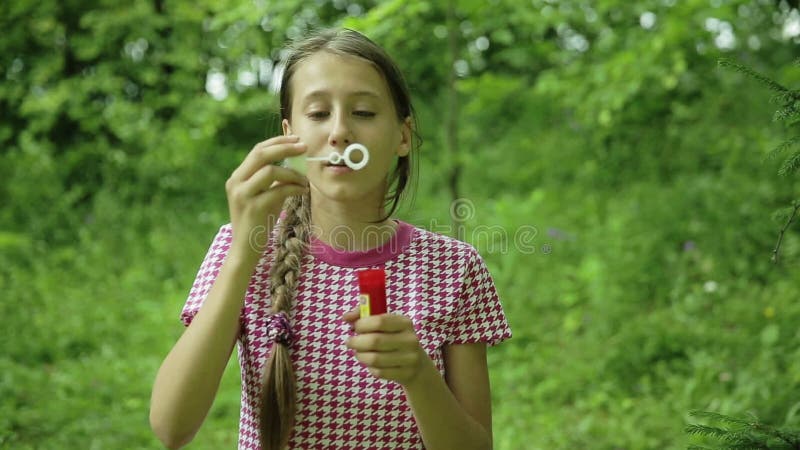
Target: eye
(363, 113)
(318, 115)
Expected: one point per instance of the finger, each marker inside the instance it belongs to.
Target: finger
(387, 360)
(385, 323)
(374, 342)
(286, 140)
(399, 375)
(266, 177)
(282, 191)
(268, 152)
(352, 315)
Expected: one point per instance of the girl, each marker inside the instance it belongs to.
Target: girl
(281, 280)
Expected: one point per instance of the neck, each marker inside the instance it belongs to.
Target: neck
(350, 227)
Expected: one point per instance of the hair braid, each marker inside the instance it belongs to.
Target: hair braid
(278, 396)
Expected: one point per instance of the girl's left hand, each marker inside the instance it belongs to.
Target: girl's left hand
(387, 345)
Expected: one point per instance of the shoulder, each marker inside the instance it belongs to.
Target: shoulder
(224, 237)
(440, 246)
(225, 232)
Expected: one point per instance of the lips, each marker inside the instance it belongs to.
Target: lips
(338, 168)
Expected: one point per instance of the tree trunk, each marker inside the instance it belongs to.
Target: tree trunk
(451, 121)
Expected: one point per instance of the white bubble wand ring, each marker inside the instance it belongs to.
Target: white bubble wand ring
(336, 158)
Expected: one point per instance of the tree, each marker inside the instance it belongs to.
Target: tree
(788, 113)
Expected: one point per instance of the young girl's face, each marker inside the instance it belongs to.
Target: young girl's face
(338, 100)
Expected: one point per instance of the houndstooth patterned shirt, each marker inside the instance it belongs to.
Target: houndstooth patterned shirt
(442, 284)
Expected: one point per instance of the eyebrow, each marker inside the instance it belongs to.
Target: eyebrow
(324, 93)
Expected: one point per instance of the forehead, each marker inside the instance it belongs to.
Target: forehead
(325, 73)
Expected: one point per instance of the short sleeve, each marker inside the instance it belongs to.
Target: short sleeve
(208, 272)
(479, 316)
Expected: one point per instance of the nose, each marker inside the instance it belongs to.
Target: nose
(340, 134)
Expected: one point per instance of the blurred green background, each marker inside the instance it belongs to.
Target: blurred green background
(609, 172)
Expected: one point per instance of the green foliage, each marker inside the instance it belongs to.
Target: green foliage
(604, 345)
(742, 433)
(789, 112)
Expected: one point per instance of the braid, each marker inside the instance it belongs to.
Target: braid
(278, 400)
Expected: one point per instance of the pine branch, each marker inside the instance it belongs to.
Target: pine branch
(743, 434)
(787, 98)
(748, 446)
(717, 417)
(743, 440)
(790, 165)
(789, 112)
(704, 430)
(775, 86)
(790, 440)
(782, 147)
(775, 254)
(772, 431)
(785, 115)
(733, 438)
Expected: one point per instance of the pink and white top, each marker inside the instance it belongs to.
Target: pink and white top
(442, 284)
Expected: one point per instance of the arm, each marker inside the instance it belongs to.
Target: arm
(189, 377)
(456, 413)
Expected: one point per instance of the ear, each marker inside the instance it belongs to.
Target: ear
(287, 129)
(405, 137)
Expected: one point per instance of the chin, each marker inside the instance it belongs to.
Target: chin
(346, 194)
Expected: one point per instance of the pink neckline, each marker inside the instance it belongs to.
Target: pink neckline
(343, 258)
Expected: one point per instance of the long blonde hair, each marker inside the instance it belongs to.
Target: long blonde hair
(278, 401)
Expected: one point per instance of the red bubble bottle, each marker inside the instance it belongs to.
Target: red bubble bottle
(372, 292)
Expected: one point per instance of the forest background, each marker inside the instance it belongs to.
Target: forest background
(611, 174)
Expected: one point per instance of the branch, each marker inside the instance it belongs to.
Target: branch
(788, 438)
(790, 165)
(783, 230)
(775, 86)
(722, 418)
(782, 147)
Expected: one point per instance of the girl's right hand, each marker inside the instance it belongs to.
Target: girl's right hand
(256, 191)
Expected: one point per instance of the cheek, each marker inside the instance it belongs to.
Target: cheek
(307, 132)
(384, 163)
